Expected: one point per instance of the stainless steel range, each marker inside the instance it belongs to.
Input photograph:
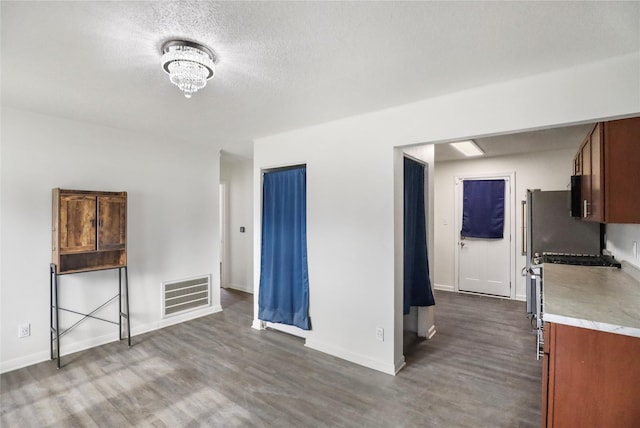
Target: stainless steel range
(553, 236)
(580, 259)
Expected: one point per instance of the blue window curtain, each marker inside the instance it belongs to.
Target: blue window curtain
(483, 209)
(417, 283)
(284, 277)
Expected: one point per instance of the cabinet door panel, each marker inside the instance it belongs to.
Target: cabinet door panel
(77, 224)
(596, 378)
(577, 164)
(585, 183)
(622, 170)
(547, 379)
(112, 222)
(597, 188)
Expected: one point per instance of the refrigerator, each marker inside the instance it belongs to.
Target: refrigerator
(549, 227)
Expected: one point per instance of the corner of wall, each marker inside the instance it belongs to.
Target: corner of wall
(356, 358)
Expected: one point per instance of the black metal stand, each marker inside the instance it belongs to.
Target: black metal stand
(54, 310)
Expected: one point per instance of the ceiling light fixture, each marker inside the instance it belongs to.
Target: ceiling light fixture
(188, 64)
(468, 148)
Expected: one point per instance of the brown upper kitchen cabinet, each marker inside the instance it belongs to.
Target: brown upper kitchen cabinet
(609, 165)
(89, 230)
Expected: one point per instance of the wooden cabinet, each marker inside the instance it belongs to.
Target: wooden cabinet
(609, 165)
(590, 378)
(577, 164)
(89, 230)
(592, 173)
(585, 182)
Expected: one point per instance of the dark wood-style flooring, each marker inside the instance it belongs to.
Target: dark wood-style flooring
(478, 371)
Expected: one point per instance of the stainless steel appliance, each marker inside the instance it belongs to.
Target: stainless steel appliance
(580, 259)
(550, 228)
(552, 235)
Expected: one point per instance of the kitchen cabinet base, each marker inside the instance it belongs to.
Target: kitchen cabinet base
(591, 378)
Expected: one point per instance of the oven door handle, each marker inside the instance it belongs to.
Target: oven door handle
(539, 309)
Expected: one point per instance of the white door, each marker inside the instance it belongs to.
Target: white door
(484, 265)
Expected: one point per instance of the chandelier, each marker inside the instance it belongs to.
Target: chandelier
(188, 64)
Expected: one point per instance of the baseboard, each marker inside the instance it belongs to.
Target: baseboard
(258, 324)
(73, 347)
(443, 287)
(451, 288)
(27, 360)
(400, 364)
(240, 287)
(167, 322)
(352, 357)
(66, 349)
(288, 329)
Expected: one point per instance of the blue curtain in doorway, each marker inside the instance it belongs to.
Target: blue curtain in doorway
(483, 209)
(417, 283)
(284, 278)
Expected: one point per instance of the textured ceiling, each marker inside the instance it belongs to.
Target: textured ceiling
(568, 137)
(285, 65)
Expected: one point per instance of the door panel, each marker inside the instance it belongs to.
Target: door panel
(597, 194)
(585, 183)
(484, 265)
(77, 224)
(112, 222)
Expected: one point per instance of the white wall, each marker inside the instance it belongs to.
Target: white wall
(620, 238)
(549, 170)
(238, 173)
(350, 188)
(172, 226)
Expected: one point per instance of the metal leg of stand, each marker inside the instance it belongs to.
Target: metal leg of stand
(54, 310)
(120, 303)
(55, 282)
(124, 303)
(126, 297)
(51, 271)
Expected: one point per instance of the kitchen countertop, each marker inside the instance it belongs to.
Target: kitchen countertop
(598, 298)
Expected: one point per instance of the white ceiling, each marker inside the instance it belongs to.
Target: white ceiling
(285, 65)
(568, 137)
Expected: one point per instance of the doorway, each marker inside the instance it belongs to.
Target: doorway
(417, 284)
(223, 217)
(283, 291)
(486, 266)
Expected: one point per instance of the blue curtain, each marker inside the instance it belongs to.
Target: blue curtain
(483, 209)
(284, 277)
(417, 283)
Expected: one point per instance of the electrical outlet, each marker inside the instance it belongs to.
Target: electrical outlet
(380, 334)
(634, 248)
(24, 330)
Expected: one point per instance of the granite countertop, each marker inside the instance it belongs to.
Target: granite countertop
(598, 298)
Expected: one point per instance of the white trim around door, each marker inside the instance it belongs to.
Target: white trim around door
(510, 178)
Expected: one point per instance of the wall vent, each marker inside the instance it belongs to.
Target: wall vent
(185, 295)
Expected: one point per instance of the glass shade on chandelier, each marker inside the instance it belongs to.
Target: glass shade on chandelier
(188, 64)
